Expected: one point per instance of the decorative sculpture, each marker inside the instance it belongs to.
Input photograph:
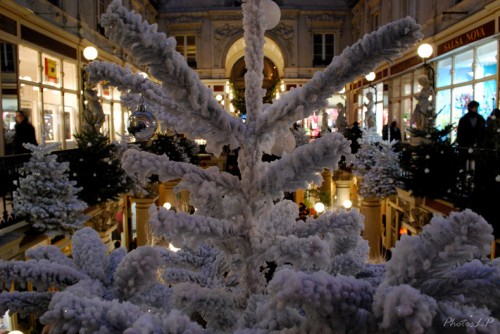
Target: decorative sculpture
(370, 120)
(424, 115)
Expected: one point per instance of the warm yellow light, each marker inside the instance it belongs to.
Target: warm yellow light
(342, 91)
(15, 332)
(347, 204)
(90, 53)
(218, 97)
(319, 207)
(425, 51)
(167, 205)
(200, 141)
(173, 248)
(370, 76)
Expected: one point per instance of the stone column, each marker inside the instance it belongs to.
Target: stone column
(343, 191)
(371, 210)
(142, 206)
(327, 185)
(166, 192)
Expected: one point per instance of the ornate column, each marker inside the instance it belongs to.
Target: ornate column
(166, 192)
(371, 209)
(141, 216)
(343, 191)
(327, 185)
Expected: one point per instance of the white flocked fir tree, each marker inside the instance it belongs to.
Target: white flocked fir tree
(46, 196)
(217, 282)
(377, 163)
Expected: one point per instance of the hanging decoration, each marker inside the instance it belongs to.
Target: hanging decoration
(142, 124)
(272, 14)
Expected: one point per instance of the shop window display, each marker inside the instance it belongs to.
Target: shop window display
(444, 73)
(28, 64)
(462, 71)
(486, 60)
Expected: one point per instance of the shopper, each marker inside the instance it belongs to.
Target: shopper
(471, 127)
(394, 132)
(25, 133)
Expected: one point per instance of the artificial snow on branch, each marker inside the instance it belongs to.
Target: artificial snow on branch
(303, 165)
(158, 52)
(143, 164)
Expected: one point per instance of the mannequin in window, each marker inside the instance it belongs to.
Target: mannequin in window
(370, 120)
(423, 117)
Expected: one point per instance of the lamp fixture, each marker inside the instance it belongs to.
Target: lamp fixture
(347, 204)
(370, 76)
(425, 51)
(90, 53)
(319, 207)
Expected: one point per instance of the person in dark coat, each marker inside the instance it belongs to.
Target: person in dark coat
(25, 133)
(394, 132)
(471, 127)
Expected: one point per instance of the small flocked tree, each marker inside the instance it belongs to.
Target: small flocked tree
(217, 283)
(378, 164)
(46, 196)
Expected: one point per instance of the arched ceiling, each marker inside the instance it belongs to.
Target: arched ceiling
(271, 51)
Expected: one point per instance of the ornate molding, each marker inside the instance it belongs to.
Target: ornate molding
(287, 34)
(226, 18)
(225, 32)
(324, 17)
(183, 19)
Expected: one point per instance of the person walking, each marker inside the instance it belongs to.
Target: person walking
(471, 127)
(24, 133)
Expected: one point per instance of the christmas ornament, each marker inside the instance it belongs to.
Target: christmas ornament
(497, 178)
(272, 14)
(142, 124)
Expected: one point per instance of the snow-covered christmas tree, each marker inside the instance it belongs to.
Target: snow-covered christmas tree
(218, 281)
(96, 168)
(46, 196)
(377, 163)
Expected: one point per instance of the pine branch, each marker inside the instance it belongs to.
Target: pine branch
(253, 19)
(326, 301)
(156, 51)
(136, 272)
(90, 254)
(404, 308)
(50, 253)
(192, 230)
(25, 303)
(40, 271)
(142, 164)
(303, 165)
